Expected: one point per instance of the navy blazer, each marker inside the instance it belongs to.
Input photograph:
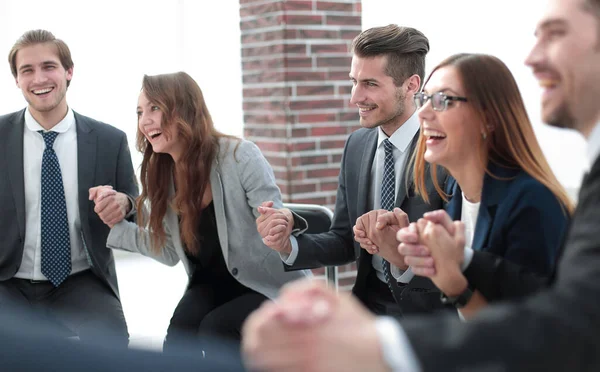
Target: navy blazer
(519, 219)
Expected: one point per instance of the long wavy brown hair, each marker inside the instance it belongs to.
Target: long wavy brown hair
(184, 111)
(493, 92)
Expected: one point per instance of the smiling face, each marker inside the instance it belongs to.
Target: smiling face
(380, 102)
(150, 124)
(43, 81)
(454, 135)
(566, 62)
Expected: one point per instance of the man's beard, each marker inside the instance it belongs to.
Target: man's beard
(400, 98)
(562, 118)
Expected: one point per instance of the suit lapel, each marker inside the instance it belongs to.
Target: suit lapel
(494, 191)
(86, 165)
(454, 207)
(14, 152)
(482, 228)
(217, 194)
(407, 173)
(173, 225)
(364, 175)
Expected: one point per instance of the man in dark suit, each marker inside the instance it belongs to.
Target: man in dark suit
(54, 257)
(557, 329)
(388, 66)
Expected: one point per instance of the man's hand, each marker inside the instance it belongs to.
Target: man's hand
(275, 227)
(311, 328)
(111, 206)
(376, 232)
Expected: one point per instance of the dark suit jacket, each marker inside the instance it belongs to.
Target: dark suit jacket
(103, 158)
(337, 246)
(520, 220)
(556, 329)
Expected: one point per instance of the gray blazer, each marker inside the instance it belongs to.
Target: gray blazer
(241, 179)
(103, 158)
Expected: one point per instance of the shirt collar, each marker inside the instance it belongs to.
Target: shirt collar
(63, 126)
(593, 149)
(402, 137)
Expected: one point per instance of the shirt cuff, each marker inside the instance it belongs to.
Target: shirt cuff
(401, 276)
(289, 259)
(133, 208)
(467, 259)
(395, 346)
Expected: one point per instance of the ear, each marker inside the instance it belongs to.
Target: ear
(413, 84)
(69, 74)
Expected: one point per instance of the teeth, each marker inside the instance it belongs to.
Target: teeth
(42, 91)
(365, 109)
(548, 83)
(433, 133)
(154, 133)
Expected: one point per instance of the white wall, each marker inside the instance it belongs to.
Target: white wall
(114, 43)
(502, 28)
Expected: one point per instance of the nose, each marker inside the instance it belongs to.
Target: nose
(535, 56)
(39, 76)
(426, 112)
(357, 95)
(144, 120)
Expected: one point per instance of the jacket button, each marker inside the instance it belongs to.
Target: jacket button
(234, 271)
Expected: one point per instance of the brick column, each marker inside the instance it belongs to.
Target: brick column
(296, 91)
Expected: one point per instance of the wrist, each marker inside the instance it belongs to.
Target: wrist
(455, 284)
(287, 247)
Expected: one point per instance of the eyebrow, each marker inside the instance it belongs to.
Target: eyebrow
(443, 90)
(364, 80)
(549, 23)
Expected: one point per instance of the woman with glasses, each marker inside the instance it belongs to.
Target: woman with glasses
(474, 124)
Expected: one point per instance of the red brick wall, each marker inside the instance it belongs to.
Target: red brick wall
(296, 91)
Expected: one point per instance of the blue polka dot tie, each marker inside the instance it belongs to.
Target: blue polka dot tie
(388, 195)
(56, 245)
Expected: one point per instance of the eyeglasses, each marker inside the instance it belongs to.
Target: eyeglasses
(439, 101)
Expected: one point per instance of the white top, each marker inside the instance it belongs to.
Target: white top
(65, 147)
(468, 216)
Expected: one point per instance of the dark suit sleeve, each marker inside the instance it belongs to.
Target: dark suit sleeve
(497, 278)
(126, 181)
(535, 230)
(554, 330)
(335, 247)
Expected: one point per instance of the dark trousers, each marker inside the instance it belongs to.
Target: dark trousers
(81, 306)
(211, 308)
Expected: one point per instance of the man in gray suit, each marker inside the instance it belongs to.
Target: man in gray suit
(557, 329)
(54, 258)
(388, 66)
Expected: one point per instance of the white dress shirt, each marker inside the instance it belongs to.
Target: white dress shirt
(65, 147)
(401, 139)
